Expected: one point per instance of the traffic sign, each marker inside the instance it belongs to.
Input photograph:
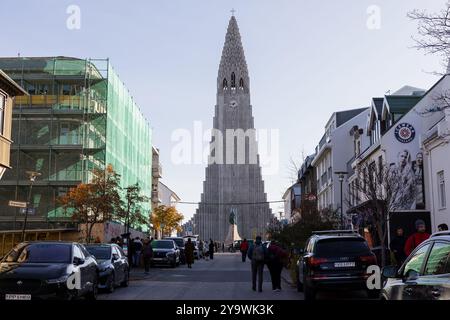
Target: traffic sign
(18, 204)
(31, 211)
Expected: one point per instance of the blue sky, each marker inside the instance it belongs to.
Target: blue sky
(306, 59)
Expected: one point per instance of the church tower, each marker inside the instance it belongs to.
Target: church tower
(233, 181)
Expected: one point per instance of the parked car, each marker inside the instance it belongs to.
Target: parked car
(334, 260)
(165, 252)
(425, 274)
(180, 243)
(112, 264)
(39, 270)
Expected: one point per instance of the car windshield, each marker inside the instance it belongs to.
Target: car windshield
(40, 253)
(179, 242)
(328, 248)
(100, 252)
(162, 244)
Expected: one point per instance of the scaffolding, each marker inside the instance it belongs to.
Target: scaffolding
(78, 116)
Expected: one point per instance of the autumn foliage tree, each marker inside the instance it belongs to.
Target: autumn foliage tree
(131, 208)
(166, 219)
(96, 202)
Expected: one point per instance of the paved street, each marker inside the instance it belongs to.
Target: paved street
(225, 277)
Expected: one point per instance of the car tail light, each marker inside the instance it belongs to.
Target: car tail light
(315, 262)
(371, 259)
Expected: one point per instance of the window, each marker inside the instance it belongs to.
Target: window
(416, 261)
(233, 80)
(2, 112)
(225, 84)
(241, 84)
(438, 262)
(441, 189)
(77, 252)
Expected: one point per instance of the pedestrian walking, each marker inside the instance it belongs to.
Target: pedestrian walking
(275, 262)
(258, 254)
(223, 246)
(189, 252)
(397, 246)
(137, 248)
(416, 238)
(147, 254)
(200, 249)
(211, 249)
(244, 249)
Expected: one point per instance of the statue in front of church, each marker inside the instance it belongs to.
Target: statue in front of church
(233, 234)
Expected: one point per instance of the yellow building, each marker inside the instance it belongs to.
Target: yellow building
(8, 90)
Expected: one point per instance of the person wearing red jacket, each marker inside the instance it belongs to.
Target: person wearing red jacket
(244, 249)
(416, 238)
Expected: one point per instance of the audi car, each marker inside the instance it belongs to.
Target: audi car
(425, 274)
(112, 264)
(165, 252)
(334, 260)
(45, 270)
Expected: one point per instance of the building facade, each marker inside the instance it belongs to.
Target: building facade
(78, 116)
(233, 181)
(8, 90)
(332, 155)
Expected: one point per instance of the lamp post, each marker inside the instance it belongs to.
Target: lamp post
(341, 177)
(32, 176)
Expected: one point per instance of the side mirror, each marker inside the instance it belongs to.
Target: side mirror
(389, 272)
(78, 261)
(411, 275)
(115, 257)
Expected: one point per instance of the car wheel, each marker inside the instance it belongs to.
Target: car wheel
(126, 279)
(299, 284)
(310, 293)
(92, 295)
(111, 283)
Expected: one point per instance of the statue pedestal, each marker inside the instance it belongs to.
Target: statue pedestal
(233, 235)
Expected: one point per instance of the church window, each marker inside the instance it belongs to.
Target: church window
(241, 84)
(233, 80)
(225, 84)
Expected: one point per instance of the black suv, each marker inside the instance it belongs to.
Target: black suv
(334, 260)
(425, 275)
(48, 269)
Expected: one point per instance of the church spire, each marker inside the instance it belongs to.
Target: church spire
(233, 71)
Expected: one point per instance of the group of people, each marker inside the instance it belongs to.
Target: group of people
(138, 250)
(401, 247)
(260, 255)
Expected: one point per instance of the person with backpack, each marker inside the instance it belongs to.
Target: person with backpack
(257, 253)
(275, 262)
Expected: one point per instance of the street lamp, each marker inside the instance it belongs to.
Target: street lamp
(32, 175)
(341, 177)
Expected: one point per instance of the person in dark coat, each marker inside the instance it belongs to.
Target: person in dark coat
(189, 252)
(211, 249)
(147, 254)
(397, 246)
(276, 258)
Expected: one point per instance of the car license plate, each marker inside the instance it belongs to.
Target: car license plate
(344, 264)
(18, 297)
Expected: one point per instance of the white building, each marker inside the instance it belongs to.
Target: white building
(436, 150)
(332, 155)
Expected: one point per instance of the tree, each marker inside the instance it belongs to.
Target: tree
(95, 202)
(166, 219)
(131, 210)
(383, 190)
(434, 38)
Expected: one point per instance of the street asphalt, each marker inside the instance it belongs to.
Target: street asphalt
(224, 278)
